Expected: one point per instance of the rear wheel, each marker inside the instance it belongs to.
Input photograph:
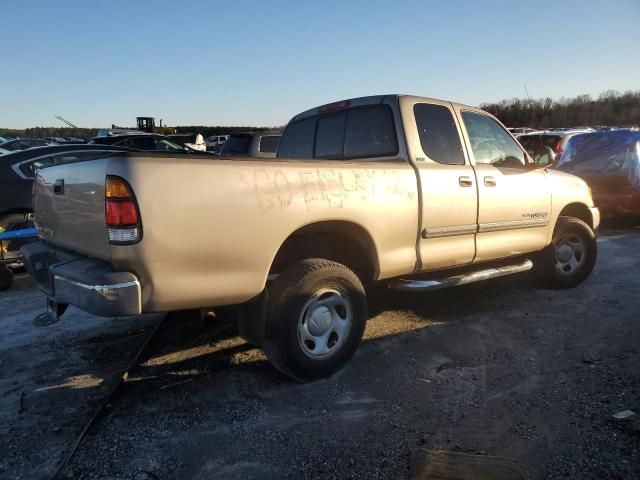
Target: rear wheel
(316, 317)
(570, 258)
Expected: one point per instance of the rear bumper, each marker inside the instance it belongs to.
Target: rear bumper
(91, 285)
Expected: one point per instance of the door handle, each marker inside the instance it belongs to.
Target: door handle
(58, 187)
(489, 182)
(465, 181)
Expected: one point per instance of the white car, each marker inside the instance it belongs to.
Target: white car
(216, 141)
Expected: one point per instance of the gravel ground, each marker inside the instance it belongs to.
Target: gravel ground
(52, 379)
(500, 368)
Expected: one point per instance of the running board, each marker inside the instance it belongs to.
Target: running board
(454, 281)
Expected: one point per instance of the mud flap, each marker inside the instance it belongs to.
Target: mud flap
(252, 319)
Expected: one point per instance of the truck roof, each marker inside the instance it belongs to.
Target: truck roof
(368, 100)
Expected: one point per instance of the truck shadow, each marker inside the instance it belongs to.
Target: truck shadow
(187, 347)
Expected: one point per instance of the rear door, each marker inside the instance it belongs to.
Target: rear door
(514, 198)
(447, 182)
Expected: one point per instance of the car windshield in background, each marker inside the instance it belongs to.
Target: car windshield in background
(164, 145)
(236, 145)
(533, 143)
(269, 143)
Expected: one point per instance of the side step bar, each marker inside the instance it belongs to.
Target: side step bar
(454, 281)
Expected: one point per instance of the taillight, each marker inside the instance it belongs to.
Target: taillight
(121, 212)
(558, 147)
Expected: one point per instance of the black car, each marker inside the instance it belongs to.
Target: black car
(18, 169)
(23, 144)
(146, 142)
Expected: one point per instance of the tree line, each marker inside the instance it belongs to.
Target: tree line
(44, 132)
(610, 108)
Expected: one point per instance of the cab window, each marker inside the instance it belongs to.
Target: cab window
(370, 133)
(438, 134)
(330, 137)
(490, 142)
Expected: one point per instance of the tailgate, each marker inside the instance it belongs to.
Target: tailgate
(68, 201)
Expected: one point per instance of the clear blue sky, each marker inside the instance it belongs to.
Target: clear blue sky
(258, 63)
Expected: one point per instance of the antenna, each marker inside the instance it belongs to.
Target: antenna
(65, 121)
(535, 117)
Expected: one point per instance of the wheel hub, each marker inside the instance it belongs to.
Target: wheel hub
(320, 320)
(324, 323)
(570, 254)
(564, 253)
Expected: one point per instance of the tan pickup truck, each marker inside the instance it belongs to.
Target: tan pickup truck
(416, 192)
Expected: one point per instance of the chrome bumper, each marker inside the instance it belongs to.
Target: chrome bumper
(91, 285)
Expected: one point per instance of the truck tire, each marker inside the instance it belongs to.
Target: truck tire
(316, 315)
(570, 258)
(6, 278)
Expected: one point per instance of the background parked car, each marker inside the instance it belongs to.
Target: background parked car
(141, 141)
(252, 144)
(609, 161)
(215, 142)
(24, 143)
(536, 143)
(194, 141)
(515, 131)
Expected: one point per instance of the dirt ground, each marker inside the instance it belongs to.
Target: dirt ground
(499, 368)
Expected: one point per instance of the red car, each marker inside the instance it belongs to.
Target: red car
(610, 163)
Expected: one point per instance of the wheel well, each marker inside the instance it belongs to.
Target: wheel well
(340, 241)
(578, 210)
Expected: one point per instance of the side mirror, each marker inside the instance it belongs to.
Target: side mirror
(545, 157)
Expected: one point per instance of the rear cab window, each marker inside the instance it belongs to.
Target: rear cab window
(359, 132)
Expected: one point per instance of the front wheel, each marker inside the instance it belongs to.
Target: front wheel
(570, 258)
(316, 317)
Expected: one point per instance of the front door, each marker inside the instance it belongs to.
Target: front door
(514, 198)
(447, 184)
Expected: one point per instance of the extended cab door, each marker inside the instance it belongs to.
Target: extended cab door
(449, 201)
(514, 198)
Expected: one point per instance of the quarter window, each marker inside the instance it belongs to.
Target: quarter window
(490, 143)
(438, 134)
